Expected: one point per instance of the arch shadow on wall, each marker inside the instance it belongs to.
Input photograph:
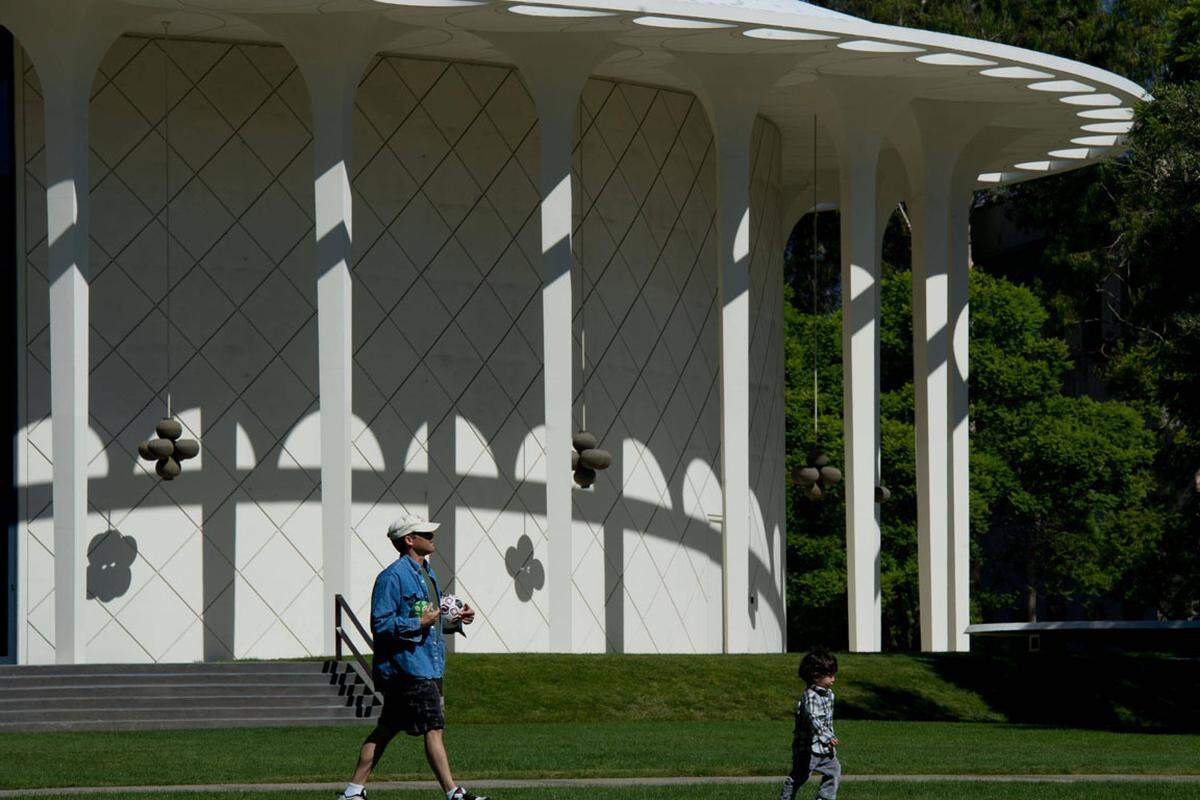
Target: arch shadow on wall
(211, 491)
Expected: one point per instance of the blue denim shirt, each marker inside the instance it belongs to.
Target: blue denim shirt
(403, 647)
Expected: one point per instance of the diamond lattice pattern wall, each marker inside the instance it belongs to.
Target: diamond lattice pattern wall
(226, 562)
(648, 538)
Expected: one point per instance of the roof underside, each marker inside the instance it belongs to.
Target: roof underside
(797, 7)
(1047, 114)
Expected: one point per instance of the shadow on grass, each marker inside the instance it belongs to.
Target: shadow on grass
(892, 703)
(1123, 692)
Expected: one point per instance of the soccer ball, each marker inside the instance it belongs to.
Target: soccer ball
(452, 607)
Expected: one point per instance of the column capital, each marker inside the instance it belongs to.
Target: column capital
(859, 116)
(936, 138)
(555, 68)
(67, 39)
(973, 159)
(333, 49)
(732, 88)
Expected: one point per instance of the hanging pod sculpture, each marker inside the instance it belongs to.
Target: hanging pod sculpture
(587, 459)
(820, 477)
(817, 478)
(168, 450)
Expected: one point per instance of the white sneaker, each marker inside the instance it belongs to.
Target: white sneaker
(360, 796)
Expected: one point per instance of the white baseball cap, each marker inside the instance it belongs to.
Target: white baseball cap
(411, 523)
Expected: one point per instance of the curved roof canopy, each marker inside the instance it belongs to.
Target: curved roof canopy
(1044, 114)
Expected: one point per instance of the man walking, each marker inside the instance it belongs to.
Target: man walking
(410, 656)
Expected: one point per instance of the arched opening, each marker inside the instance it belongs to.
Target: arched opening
(816, 566)
(817, 569)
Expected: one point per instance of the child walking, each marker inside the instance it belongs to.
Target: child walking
(814, 742)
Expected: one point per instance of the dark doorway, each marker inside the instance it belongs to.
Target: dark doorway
(8, 350)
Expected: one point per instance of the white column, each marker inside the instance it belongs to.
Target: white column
(332, 116)
(859, 151)
(555, 68)
(859, 118)
(66, 44)
(67, 189)
(931, 352)
(732, 92)
(555, 118)
(960, 475)
(733, 246)
(938, 139)
(332, 51)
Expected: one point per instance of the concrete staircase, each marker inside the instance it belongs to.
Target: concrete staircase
(172, 696)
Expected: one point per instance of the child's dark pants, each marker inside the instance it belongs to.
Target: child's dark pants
(805, 763)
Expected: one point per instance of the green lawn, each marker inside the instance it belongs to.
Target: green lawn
(588, 716)
(581, 750)
(849, 791)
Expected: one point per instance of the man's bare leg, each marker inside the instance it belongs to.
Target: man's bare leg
(435, 751)
(371, 752)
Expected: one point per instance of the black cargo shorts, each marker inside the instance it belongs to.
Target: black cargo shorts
(413, 705)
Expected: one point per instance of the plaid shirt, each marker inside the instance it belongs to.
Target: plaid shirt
(817, 708)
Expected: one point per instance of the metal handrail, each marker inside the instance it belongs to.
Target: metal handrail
(341, 638)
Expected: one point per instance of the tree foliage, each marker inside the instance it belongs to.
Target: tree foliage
(1058, 483)
(1080, 504)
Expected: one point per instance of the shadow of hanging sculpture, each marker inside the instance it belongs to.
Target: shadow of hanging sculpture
(168, 451)
(527, 572)
(110, 558)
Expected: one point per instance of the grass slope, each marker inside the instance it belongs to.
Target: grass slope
(1111, 692)
(557, 688)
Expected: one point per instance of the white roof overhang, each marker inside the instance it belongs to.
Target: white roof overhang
(1047, 115)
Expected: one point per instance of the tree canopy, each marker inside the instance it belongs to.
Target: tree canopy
(1085, 392)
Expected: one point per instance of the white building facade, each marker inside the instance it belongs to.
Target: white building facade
(387, 257)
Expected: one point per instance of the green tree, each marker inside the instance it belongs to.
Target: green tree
(1118, 516)
(1159, 227)
(1034, 451)
(816, 588)
(1184, 49)
(1073, 516)
(1154, 362)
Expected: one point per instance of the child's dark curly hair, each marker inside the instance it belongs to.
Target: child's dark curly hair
(817, 664)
